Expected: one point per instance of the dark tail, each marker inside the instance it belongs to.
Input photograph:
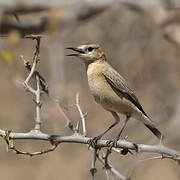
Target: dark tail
(155, 131)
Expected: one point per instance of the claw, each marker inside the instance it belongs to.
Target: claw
(112, 143)
(136, 147)
(109, 142)
(93, 141)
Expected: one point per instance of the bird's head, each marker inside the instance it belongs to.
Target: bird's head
(88, 53)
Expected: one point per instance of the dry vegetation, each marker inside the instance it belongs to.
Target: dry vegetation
(142, 45)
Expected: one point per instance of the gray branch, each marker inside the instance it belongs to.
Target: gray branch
(36, 135)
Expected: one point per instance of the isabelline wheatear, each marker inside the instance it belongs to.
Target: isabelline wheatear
(111, 90)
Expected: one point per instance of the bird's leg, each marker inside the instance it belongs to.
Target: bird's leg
(93, 141)
(113, 142)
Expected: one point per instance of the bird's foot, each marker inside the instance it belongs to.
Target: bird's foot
(112, 143)
(93, 141)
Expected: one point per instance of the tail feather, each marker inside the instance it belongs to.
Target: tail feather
(155, 131)
(151, 126)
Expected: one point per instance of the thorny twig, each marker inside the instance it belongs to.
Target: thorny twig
(68, 121)
(38, 106)
(160, 149)
(125, 148)
(81, 114)
(108, 167)
(93, 169)
(36, 73)
(12, 147)
(95, 154)
(34, 153)
(37, 93)
(163, 156)
(108, 152)
(56, 139)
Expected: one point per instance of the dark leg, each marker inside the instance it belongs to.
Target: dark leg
(114, 141)
(95, 139)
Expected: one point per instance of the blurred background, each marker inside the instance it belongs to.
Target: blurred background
(140, 41)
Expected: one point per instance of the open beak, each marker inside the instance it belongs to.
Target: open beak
(80, 51)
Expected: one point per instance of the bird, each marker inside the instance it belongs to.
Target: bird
(111, 91)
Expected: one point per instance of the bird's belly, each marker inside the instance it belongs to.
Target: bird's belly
(117, 104)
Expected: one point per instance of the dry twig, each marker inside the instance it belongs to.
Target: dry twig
(81, 114)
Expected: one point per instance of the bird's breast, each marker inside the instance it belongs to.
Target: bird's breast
(99, 87)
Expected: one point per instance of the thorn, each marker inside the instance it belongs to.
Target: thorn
(70, 125)
(85, 114)
(106, 165)
(8, 140)
(25, 86)
(126, 137)
(161, 140)
(125, 151)
(52, 142)
(93, 171)
(39, 104)
(136, 147)
(77, 127)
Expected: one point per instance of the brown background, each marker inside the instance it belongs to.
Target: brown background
(137, 49)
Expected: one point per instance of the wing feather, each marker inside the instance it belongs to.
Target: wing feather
(119, 85)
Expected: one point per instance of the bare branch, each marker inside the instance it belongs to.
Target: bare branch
(108, 152)
(77, 127)
(12, 147)
(81, 114)
(68, 121)
(38, 106)
(93, 169)
(110, 168)
(159, 149)
(34, 153)
(43, 84)
(95, 154)
(32, 72)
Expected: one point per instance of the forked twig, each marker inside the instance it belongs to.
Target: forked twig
(37, 92)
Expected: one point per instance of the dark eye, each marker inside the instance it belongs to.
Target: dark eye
(90, 49)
